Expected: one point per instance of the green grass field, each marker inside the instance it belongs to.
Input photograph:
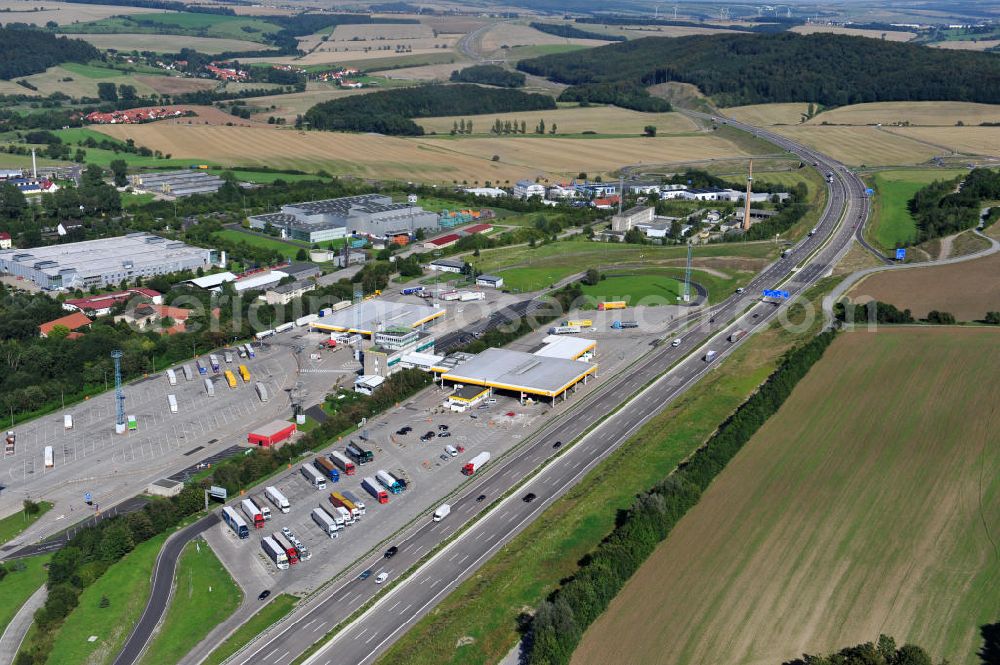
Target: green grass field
(893, 226)
(126, 586)
(659, 286)
(19, 584)
(205, 595)
(92, 71)
(270, 613)
(181, 24)
(853, 511)
(527, 269)
(14, 524)
(477, 623)
(257, 240)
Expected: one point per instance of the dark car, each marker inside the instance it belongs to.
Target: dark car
(428, 436)
(264, 594)
(444, 434)
(391, 552)
(529, 497)
(443, 428)
(365, 575)
(557, 444)
(401, 432)
(480, 498)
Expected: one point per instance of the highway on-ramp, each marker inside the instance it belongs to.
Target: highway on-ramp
(659, 377)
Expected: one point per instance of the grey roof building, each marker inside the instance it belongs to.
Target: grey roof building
(367, 214)
(104, 262)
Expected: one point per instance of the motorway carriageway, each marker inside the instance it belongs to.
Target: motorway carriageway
(362, 640)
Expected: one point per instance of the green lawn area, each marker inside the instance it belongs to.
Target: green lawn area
(92, 71)
(14, 524)
(659, 286)
(257, 240)
(269, 614)
(179, 23)
(527, 269)
(486, 607)
(267, 177)
(19, 584)
(205, 595)
(893, 226)
(126, 586)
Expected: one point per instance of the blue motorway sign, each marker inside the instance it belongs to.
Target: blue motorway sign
(901, 254)
(773, 293)
(869, 191)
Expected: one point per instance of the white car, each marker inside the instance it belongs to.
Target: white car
(382, 577)
(676, 342)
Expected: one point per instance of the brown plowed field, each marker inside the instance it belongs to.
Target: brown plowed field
(870, 503)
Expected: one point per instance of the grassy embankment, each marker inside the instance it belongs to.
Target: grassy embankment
(267, 616)
(19, 584)
(893, 226)
(12, 525)
(477, 623)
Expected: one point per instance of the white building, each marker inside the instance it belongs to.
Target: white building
(632, 217)
(525, 189)
(492, 281)
(487, 192)
(561, 192)
(446, 265)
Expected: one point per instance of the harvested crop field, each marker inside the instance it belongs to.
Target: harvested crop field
(426, 159)
(870, 146)
(512, 34)
(170, 43)
(866, 505)
(914, 113)
(888, 35)
(769, 114)
(968, 289)
(174, 85)
(966, 140)
(574, 120)
(967, 45)
(71, 81)
(63, 13)
(380, 32)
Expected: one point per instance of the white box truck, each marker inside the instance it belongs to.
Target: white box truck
(172, 377)
(274, 553)
(442, 512)
(210, 387)
(265, 509)
(188, 373)
(172, 401)
(345, 515)
(277, 498)
(315, 478)
(262, 392)
(49, 461)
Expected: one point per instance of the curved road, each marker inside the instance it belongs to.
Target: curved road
(655, 380)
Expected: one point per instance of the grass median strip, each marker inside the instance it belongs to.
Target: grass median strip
(204, 596)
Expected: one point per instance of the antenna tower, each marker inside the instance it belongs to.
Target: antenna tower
(621, 192)
(116, 355)
(687, 276)
(746, 205)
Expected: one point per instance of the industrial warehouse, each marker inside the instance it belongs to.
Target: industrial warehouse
(371, 316)
(105, 262)
(368, 214)
(176, 184)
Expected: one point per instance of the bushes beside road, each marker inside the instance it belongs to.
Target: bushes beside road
(561, 620)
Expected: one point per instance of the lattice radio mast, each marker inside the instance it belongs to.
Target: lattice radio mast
(116, 355)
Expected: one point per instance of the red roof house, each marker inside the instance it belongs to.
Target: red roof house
(73, 322)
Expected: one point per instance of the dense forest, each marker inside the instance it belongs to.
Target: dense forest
(25, 51)
(572, 32)
(389, 111)
(626, 94)
(940, 210)
(489, 75)
(832, 70)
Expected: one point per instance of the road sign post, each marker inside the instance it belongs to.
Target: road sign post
(774, 293)
(901, 254)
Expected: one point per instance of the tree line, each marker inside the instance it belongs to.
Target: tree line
(883, 652)
(626, 94)
(390, 111)
(832, 70)
(945, 207)
(488, 75)
(572, 32)
(25, 51)
(560, 620)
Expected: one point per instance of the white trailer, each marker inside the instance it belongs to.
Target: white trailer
(262, 392)
(345, 515)
(284, 327)
(172, 401)
(172, 377)
(277, 498)
(274, 553)
(265, 509)
(252, 512)
(315, 478)
(306, 320)
(325, 522)
(67, 421)
(49, 461)
(188, 373)
(210, 387)
(353, 498)
(466, 296)
(263, 334)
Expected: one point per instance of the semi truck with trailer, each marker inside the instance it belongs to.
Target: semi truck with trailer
(412, 290)
(228, 357)
(583, 323)
(314, 477)
(371, 486)
(344, 514)
(345, 465)
(274, 552)
(262, 506)
(172, 377)
(359, 454)
(326, 467)
(612, 304)
(450, 295)
(306, 320)
(388, 481)
(564, 330)
(621, 325)
(325, 522)
(476, 463)
(467, 296)
(737, 335)
(359, 505)
(214, 360)
(290, 550)
(253, 513)
(235, 522)
(210, 387)
(277, 498)
(338, 499)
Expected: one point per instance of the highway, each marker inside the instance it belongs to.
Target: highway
(659, 377)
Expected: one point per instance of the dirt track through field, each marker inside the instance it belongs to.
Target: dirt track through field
(857, 509)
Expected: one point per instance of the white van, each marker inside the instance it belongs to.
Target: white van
(442, 512)
(676, 342)
(451, 450)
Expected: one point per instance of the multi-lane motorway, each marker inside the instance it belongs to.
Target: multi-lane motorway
(653, 382)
